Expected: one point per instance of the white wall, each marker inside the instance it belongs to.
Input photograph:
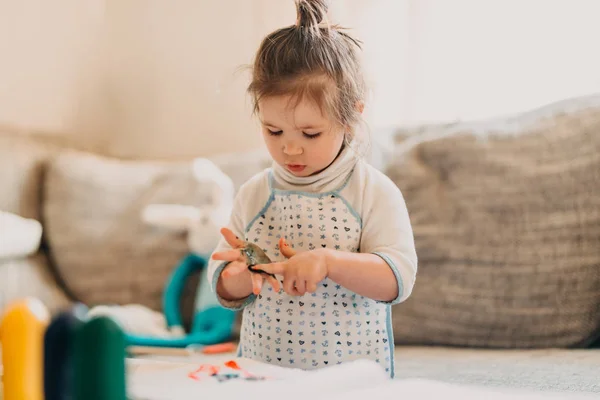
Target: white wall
(151, 78)
(51, 68)
(175, 67)
(473, 59)
(382, 26)
(134, 78)
(161, 79)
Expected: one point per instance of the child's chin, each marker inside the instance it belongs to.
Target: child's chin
(300, 173)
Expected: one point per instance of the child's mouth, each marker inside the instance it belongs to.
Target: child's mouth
(295, 167)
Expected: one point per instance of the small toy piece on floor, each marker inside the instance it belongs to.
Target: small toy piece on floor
(220, 348)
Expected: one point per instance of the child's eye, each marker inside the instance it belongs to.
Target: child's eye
(312, 135)
(274, 133)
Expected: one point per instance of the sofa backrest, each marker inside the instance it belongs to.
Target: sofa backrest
(506, 217)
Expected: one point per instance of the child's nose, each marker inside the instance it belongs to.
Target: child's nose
(292, 149)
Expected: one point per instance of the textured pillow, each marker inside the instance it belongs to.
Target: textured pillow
(506, 217)
(100, 246)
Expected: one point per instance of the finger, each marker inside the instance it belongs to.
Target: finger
(232, 239)
(300, 287)
(286, 250)
(234, 268)
(257, 281)
(273, 268)
(228, 255)
(289, 286)
(311, 287)
(274, 283)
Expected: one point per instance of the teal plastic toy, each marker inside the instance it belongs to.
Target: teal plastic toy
(212, 323)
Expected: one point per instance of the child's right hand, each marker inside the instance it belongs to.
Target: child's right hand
(237, 267)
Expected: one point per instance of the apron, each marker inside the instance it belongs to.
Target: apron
(328, 327)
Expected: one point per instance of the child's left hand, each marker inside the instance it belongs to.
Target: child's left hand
(301, 272)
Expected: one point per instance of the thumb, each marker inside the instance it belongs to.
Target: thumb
(286, 250)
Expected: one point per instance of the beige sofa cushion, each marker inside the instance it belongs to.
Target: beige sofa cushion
(506, 216)
(100, 246)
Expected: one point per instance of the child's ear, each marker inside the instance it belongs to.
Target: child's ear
(360, 106)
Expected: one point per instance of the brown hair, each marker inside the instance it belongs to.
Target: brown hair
(315, 59)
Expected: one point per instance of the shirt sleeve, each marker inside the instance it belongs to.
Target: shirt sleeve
(387, 233)
(215, 267)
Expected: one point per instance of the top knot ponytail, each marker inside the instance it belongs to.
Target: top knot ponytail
(311, 13)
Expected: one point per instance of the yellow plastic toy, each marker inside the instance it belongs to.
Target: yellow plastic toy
(22, 336)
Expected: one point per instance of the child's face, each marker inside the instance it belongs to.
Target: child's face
(300, 139)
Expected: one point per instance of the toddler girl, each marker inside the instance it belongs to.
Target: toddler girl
(336, 228)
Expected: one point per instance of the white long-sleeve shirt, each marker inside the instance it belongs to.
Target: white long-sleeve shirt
(350, 206)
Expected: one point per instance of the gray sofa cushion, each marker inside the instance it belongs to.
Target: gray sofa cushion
(506, 216)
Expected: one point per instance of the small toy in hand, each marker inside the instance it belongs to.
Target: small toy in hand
(255, 256)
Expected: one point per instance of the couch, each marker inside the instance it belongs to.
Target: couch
(506, 215)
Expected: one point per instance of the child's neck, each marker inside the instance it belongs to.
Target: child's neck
(328, 179)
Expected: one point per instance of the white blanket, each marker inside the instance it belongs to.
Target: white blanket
(355, 380)
(136, 319)
(19, 237)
